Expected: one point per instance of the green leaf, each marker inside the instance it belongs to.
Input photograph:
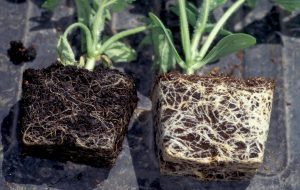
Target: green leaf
(216, 3)
(251, 3)
(223, 32)
(120, 52)
(147, 40)
(50, 4)
(119, 5)
(289, 5)
(107, 15)
(95, 5)
(192, 8)
(83, 11)
(164, 57)
(229, 44)
(158, 23)
(65, 52)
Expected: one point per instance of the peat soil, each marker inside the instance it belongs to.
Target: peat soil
(18, 54)
(74, 114)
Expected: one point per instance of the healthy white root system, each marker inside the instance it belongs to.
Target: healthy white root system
(211, 127)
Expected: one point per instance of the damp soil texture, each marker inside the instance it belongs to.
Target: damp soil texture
(137, 165)
(73, 114)
(18, 54)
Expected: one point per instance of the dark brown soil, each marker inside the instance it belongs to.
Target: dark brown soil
(16, 1)
(237, 82)
(18, 54)
(74, 114)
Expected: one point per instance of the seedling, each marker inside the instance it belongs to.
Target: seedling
(197, 49)
(207, 127)
(73, 114)
(95, 46)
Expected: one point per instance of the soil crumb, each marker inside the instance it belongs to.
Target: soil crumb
(17, 1)
(18, 53)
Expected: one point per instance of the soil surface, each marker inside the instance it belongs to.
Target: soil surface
(18, 53)
(74, 114)
(252, 82)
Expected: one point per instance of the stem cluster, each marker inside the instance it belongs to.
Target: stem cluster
(91, 22)
(197, 54)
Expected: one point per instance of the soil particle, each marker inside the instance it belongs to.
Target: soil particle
(17, 1)
(18, 54)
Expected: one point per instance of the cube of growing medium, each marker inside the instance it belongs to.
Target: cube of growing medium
(72, 114)
(211, 127)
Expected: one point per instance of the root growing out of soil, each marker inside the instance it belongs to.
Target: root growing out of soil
(74, 114)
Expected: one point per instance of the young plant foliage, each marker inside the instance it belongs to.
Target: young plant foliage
(196, 47)
(289, 5)
(92, 16)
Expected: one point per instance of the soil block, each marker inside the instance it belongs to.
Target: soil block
(76, 115)
(18, 54)
(211, 128)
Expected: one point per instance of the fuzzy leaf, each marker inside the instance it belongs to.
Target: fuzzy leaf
(120, 5)
(164, 57)
(192, 7)
(147, 40)
(223, 32)
(120, 52)
(158, 23)
(50, 4)
(83, 11)
(95, 4)
(289, 5)
(229, 44)
(65, 52)
(216, 3)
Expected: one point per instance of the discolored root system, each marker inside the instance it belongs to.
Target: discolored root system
(74, 114)
(211, 128)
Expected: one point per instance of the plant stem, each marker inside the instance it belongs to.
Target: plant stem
(110, 3)
(184, 31)
(87, 33)
(189, 71)
(120, 36)
(90, 63)
(218, 27)
(201, 24)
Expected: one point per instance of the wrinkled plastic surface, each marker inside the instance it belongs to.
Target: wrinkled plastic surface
(137, 166)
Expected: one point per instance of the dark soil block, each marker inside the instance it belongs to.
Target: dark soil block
(74, 114)
(18, 53)
(211, 128)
